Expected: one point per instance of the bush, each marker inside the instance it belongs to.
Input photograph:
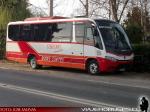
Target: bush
(142, 57)
(134, 33)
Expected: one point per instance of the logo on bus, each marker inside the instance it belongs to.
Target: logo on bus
(49, 46)
(52, 59)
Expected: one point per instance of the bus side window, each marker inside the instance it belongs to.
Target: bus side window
(62, 32)
(14, 32)
(89, 38)
(42, 32)
(36, 32)
(92, 36)
(79, 32)
(26, 32)
(97, 42)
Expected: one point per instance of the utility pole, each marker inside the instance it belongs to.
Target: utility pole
(87, 8)
(51, 7)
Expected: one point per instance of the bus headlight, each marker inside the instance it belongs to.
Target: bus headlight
(111, 58)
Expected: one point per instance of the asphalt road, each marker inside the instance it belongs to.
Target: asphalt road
(11, 97)
(20, 88)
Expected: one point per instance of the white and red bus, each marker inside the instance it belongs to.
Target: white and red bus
(94, 45)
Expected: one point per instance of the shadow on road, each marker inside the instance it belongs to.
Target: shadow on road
(79, 72)
(128, 74)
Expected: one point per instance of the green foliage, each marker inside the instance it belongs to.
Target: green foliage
(11, 10)
(4, 18)
(133, 25)
(142, 57)
(141, 49)
(135, 33)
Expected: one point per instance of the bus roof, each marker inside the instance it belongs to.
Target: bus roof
(45, 18)
(105, 20)
(48, 20)
(52, 19)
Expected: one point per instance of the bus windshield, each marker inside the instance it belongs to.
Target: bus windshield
(114, 37)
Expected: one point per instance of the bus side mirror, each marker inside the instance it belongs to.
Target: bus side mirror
(94, 28)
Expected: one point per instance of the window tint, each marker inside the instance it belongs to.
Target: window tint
(26, 33)
(14, 32)
(42, 32)
(47, 32)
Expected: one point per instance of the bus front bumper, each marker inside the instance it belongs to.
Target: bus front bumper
(106, 65)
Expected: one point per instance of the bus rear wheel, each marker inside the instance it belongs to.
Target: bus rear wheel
(93, 67)
(33, 63)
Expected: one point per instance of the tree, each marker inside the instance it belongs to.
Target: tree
(109, 8)
(11, 10)
(91, 8)
(117, 8)
(37, 11)
(145, 19)
(133, 25)
(52, 4)
(86, 7)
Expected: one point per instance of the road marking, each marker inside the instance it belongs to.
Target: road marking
(90, 80)
(57, 96)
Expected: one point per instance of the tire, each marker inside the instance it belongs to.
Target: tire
(33, 63)
(93, 67)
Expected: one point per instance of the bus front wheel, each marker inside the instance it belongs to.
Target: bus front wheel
(93, 67)
(33, 63)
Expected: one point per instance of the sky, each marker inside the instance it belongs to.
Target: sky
(62, 7)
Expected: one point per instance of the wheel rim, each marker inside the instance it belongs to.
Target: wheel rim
(33, 63)
(93, 68)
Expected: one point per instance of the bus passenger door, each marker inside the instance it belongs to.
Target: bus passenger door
(90, 46)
